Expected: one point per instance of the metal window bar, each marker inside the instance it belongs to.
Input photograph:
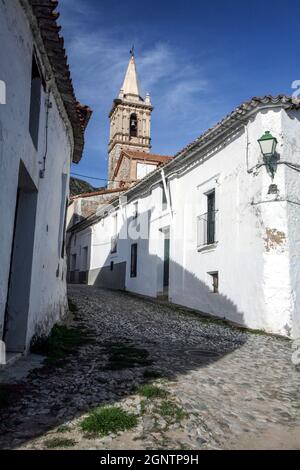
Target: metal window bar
(206, 229)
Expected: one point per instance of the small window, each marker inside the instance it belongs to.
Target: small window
(35, 102)
(133, 270)
(211, 217)
(215, 282)
(112, 264)
(133, 126)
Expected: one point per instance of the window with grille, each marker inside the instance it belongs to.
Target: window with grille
(133, 267)
(211, 218)
(207, 222)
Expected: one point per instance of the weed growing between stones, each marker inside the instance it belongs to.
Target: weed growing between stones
(63, 429)
(171, 411)
(58, 442)
(143, 405)
(61, 342)
(106, 420)
(152, 391)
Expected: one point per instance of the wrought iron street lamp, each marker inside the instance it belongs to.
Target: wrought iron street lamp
(268, 145)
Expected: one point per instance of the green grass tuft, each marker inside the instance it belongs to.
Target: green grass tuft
(106, 420)
(61, 342)
(143, 407)
(63, 429)
(59, 442)
(151, 391)
(170, 410)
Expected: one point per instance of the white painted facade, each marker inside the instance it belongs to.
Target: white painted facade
(256, 254)
(39, 298)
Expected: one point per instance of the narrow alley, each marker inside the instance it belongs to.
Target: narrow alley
(189, 381)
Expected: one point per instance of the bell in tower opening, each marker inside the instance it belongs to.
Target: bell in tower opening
(133, 126)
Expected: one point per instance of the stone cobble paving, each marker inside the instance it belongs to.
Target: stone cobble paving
(235, 389)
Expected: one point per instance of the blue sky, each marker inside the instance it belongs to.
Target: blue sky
(198, 59)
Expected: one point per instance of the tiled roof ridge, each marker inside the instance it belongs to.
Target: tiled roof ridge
(241, 111)
(79, 115)
(140, 154)
(100, 192)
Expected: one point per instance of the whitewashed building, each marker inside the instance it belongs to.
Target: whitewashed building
(41, 133)
(217, 229)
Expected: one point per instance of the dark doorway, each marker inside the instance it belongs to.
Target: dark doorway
(17, 305)
(166, 260)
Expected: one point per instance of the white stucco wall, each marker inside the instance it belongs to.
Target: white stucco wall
(247, 271)
(257, 254)
(48, 286)
(290, 153)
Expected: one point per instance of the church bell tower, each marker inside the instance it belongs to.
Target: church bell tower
(130, 121)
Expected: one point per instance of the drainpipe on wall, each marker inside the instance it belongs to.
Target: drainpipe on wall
(163, 176)
(43, 162)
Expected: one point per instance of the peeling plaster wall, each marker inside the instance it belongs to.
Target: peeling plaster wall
(251, 256)
(291, 153)
(48, 287)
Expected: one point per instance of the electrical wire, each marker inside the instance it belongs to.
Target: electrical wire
(98, 179)
(89, 177)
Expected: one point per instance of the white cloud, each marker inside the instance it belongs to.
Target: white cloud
(98, 58)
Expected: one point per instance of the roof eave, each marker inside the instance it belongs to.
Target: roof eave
(43, 15)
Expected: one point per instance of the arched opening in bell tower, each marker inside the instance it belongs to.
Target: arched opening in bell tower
(133, 126)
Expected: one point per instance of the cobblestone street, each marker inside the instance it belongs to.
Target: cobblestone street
(230, 389)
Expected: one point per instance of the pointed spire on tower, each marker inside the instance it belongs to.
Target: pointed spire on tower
(131, 84)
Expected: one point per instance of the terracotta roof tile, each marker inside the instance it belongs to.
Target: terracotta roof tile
(100, 192)
(139, 155)
(152, 157)
(79, 116)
